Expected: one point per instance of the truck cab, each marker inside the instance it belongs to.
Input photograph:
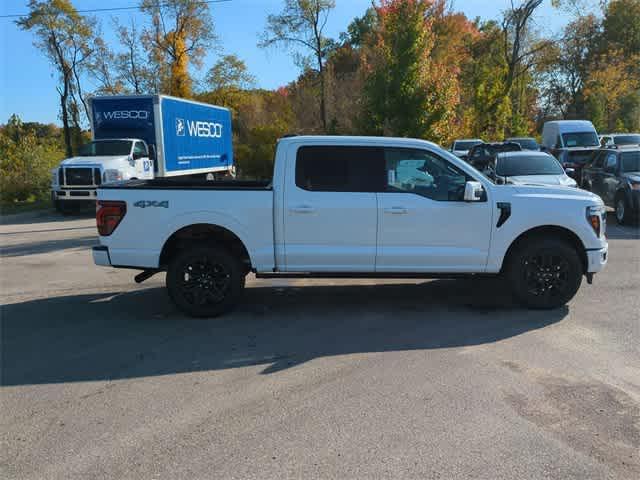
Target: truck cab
(99, 162)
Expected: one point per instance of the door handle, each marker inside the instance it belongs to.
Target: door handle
(396, 210)
(302, 209)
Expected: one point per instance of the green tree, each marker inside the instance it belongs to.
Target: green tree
(63, 35)
(229, 72)
(181, 35)
(28, 152)
(301, 24)
(407, 92)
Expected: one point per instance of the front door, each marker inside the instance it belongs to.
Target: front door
(424, 223)
(143, 164)
(330, 217)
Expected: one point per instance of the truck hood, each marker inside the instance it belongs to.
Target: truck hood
(632, 176)
(561, 180)
(103, 161)
(557, 192)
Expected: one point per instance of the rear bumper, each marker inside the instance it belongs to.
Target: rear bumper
(101, 256)
(597, 259)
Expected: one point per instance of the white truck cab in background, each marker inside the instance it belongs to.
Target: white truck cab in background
(98, 162)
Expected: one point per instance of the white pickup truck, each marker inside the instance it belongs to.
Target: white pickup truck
(352, 207)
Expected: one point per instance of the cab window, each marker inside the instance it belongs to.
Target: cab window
(340, 169)
(423, 173)
(140, 150)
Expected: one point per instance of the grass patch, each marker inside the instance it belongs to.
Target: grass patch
(31, 205)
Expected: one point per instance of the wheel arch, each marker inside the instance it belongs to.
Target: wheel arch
(207, 234)
(549, 231)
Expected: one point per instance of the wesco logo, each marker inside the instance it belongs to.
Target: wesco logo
(126, 114)
(199, 128)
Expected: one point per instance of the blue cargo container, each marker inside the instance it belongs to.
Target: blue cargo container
(186, 137)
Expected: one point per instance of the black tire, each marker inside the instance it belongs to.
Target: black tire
(544, 273)
(623, 211)
(205, 281)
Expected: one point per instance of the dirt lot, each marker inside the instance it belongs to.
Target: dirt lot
(103, 378)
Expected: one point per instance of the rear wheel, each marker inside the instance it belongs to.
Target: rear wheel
(205, 281)
(544, 273)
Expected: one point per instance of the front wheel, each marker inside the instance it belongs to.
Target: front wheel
(624, 213)
(205, 281)
(544, 273)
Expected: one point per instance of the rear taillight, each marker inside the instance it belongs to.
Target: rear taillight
(109, 214)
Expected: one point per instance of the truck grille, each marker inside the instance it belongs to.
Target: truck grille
(81, 176)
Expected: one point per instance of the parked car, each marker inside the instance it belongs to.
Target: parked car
(527, 143)
(610, 139)
(572, 142)
(483, 154)
(614, 174)
(460, 148)
(528, 168)
(351, 207)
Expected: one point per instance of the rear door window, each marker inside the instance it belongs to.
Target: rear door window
(340, 169)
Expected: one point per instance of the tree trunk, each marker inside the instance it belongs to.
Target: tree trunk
(64, 96)
(323, 106)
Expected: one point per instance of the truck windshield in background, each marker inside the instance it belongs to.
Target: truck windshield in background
(529, 165)
(631, 162)
(105, 148)
(580, 139)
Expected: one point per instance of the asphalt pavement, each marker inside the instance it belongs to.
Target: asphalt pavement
(348, 379)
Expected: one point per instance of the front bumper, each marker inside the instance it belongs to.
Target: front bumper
(74, 194)
(101, 256)
(597, 259)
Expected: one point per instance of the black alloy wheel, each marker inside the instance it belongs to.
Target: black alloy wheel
(205, 281)
(544, 273)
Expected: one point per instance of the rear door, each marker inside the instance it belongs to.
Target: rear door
(330, 217)
(423, 223)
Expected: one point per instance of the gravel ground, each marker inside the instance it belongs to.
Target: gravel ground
(103, 378)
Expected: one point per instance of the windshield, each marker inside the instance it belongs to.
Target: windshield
(465, 145)
(580, 139)
(526, 143)
(631, 162)
(626, 139)
(515, 165)
(105, 148)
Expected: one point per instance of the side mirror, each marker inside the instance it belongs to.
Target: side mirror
(473, 192)
(152, 152)
(570, 171)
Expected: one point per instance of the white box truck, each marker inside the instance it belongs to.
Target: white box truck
(145, 137)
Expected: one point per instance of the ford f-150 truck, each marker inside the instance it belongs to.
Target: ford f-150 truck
(144, 137)
(352, 207)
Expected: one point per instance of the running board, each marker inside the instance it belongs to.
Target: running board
(373, 275)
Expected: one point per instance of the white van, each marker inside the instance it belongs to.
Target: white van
(572, 142)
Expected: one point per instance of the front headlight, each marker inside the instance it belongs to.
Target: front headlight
(596, 216)
(112, 175)
(54, 176)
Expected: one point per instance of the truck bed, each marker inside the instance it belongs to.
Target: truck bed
(177, 183)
